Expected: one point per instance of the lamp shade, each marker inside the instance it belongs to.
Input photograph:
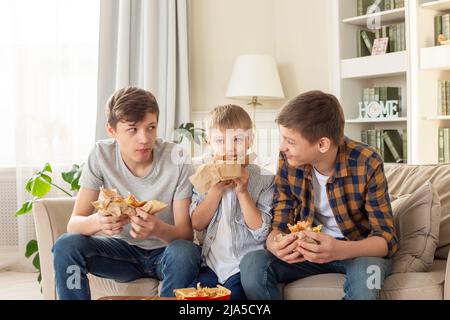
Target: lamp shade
(255, 76)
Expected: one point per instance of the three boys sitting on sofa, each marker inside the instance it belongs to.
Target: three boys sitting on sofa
(323, 178)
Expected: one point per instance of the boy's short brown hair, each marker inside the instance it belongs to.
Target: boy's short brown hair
(314, 115)
(130, 104)
(229, 116)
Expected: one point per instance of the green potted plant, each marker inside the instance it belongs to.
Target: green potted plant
(39, 185)
(189, 131)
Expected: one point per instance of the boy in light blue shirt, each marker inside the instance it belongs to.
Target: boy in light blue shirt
(236, 214)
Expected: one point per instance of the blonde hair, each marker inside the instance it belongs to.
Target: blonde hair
(229, 116)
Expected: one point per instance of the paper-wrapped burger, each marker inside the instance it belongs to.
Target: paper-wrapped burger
(110, 202)
(298, 230)
(222, 169)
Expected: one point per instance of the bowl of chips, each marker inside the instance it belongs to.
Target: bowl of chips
(203, 293)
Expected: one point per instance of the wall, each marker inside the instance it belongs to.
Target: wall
(293, 31)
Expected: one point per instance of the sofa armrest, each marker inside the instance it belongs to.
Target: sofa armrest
(447, 279)
(50, 217)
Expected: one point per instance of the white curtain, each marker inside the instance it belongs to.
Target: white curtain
(144, 43)
(48, 85)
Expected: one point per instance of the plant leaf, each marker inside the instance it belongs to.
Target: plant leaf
(32, 247)
(40, 186)
(68, 176)
(39, 279)
(189, 126)
(46, 177)
(26, 207)
(47, 168)
(37, 262)
(72, 177)
(29, 183)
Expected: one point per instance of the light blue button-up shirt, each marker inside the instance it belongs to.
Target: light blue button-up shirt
(244, 239)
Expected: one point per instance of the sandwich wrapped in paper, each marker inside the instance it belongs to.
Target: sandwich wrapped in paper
(298, 231)
(111, 203)
(203, 293)
(222, 169)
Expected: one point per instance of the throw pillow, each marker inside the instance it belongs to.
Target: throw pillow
(416, 219)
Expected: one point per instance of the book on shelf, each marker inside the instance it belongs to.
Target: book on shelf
(368, 38)
(383, 94)
(441, 145)
(437, 29)
(399, 4)
(447, 97)
(384, 5)
(395, 34)
(389, 143)
(364, 43)
(446, 143)
(441, 27)
(443, 97)
(394, 141)
(446, 26)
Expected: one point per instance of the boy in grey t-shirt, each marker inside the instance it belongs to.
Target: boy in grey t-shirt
(143, 246)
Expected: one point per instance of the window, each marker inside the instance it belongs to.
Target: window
(48, 80)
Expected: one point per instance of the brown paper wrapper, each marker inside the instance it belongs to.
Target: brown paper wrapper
(222, 169)
(111, 203)
(207, 175)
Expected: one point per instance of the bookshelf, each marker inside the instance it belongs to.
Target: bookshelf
(442, 5)
(416, 70)
(387, 17)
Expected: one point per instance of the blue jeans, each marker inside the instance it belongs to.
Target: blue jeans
(75, 255)
(208, 278)
(261, 272)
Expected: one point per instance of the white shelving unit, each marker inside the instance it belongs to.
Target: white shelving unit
(441, 5)
(435, 58)
(387, 17)
(416, 70)
(401, 119)
(390, 64)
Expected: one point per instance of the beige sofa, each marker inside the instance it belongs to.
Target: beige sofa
(51, 217)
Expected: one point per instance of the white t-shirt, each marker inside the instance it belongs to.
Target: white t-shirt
(324, 214)
(220, 257)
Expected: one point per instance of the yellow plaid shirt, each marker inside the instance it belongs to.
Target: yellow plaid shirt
(357, 194)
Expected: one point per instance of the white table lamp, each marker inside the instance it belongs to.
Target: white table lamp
(255, 77)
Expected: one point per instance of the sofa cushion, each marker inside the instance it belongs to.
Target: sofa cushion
(399, 286)
(405, 179)
(101, 287)
(416, 219)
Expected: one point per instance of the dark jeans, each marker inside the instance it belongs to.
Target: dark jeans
(261, 272)
(208, 278)
(75, 255)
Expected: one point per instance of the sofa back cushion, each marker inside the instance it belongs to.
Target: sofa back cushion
(405, 179)
(416, 219)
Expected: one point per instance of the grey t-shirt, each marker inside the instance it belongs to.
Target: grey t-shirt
(167, 181)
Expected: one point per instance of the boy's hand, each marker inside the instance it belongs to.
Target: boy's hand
(144, 225)
(110, 225)
(286, 249)
(221, 186)
(329, 249)
(242, 182)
